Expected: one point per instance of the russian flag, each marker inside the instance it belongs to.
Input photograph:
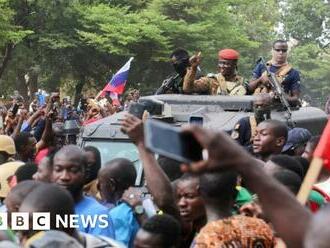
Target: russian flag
(118, 81)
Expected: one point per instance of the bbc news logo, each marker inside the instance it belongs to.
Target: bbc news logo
(40, 221)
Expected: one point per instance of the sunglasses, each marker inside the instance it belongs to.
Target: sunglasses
(281, 50)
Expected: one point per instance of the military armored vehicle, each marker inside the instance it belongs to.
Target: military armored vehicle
(218, 112)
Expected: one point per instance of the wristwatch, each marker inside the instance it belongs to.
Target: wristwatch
(139, 210)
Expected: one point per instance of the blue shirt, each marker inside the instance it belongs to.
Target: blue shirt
(37, 130)
(41, 99)
(125, 223)
(291, 81)
(88, 206)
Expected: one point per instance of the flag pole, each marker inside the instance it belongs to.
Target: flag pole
(321, 157)
(310, 179)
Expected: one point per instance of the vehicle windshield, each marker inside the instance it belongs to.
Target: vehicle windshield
(111, 150)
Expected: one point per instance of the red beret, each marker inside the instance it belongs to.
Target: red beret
(228, 54)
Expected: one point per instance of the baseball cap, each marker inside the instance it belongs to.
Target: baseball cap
(7, 170)
(7, 144)
(297, 136)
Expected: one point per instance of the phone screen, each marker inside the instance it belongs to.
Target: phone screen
(15, 108)
(197, 120)
(171, 142)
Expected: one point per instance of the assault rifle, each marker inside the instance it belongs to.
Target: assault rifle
(167, 84)
(277, 89)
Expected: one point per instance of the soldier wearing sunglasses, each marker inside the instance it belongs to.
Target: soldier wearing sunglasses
(286, 75)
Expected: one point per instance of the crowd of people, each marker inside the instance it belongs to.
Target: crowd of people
(241, 195)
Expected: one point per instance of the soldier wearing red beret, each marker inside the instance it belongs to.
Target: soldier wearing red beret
(225, 82)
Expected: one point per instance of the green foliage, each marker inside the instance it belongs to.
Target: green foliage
(80, 43)
(116, 30)
(307, 20)
(313, 63)
(9, 30)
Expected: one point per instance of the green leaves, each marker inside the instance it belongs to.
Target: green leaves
(307, 20)
(81, 42)
(9, 30)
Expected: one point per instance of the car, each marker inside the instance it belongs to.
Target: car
(217, 112)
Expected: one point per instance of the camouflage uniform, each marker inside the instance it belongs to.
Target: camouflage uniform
(213, 84)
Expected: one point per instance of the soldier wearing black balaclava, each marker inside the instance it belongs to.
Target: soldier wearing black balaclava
(174, 82)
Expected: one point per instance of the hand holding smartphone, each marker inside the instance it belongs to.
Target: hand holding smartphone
(169, 141)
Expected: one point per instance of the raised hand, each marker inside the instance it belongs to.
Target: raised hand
(223, 152)
(195, 60)
(133, 127)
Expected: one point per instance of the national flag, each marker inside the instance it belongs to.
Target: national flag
(321, 158)
(118, 81)
(323, 148)
(115, 99)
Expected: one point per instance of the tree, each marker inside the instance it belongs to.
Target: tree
(11, 33)
(308, 22)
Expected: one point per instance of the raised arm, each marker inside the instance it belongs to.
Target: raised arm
(158, 183)
(190, 84)
(289, 218)
(18, 127)
(47, 134)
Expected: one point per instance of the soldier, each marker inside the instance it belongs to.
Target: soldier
(288, 77)
(245, 128)
(226, 82)
(173, 83)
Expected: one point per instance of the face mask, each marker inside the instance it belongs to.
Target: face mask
(181, 67)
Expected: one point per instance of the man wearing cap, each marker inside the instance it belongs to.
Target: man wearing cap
(288, 77)
(297, 140)
(8, 166)
(7, 149)
(226, 82)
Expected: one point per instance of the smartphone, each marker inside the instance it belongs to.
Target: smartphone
(15, 109)
(196, 120)
(169, 141)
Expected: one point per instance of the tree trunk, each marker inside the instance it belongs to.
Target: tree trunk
(21, 85)
(6, 57)
(54, 82)
(33, 83)
(78, 90)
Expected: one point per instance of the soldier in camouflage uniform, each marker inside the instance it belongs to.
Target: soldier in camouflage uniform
(226, 82)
